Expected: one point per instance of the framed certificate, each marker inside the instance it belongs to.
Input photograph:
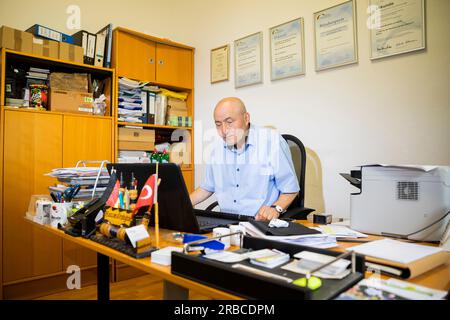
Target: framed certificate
(335, 36)
(396, 26)
(248, 60)
(287, 50)
(220, 58)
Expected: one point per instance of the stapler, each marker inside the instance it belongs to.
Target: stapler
(83, 222)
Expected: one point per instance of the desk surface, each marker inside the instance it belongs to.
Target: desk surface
(438, 278)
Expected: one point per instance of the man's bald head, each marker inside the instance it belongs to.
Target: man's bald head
(232, 120)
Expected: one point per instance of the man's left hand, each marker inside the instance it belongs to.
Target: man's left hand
(267, 214)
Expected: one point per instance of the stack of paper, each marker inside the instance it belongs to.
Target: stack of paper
(273, 259)
(322, 241)
(134, 157)
(340, 231)
(131, 101)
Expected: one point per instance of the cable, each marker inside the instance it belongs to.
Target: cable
(405, 237)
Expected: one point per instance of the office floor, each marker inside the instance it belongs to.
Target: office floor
(141, 288)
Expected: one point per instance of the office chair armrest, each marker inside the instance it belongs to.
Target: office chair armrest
(299, 213)
(212, 206)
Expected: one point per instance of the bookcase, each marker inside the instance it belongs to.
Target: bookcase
(162, 63)
(34, 262)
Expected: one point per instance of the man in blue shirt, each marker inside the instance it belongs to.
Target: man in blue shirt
(250, 169)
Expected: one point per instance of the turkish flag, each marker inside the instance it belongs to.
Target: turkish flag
(114, 196)
(147, 194)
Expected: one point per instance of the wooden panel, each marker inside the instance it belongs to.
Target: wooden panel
(189, 179)
(174, 66)
(32, 147)
(84, 139)
(125, 272)
(135, 57)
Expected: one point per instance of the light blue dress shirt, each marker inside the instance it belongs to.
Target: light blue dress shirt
(245, 180)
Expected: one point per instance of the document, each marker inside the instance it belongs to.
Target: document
(397, 26)
(335, 34)
(287, 50)
(395, 251)
(248, 60)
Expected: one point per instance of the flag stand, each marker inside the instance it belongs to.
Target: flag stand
(156, 208)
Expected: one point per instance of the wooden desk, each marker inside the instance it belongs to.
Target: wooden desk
(176, 287)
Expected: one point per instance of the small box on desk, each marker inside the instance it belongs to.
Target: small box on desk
(46, 48)
(70, 52)
(136, 139)
(71, 101)
(16, 40)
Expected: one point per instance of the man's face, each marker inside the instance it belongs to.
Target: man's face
(231, 123)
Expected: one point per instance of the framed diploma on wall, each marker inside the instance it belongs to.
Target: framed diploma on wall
(287, 50)
(396, 27)
(220, 60)
(335, 36)
(248, 60)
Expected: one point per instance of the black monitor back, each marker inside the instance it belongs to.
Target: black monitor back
(175, 207)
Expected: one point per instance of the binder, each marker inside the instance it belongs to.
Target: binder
(144, 105)
(99, 50)
(47, 33)
(107, 32)
(151, 107)
(86, 40)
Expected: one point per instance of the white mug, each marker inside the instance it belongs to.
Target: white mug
(59, 213)
(236, 239)
(222, 232)
(43, 207)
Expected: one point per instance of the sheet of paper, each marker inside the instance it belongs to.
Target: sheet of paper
(292, 266)
(394, 250)
(226, 256)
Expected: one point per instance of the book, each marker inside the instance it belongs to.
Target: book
(407, 259)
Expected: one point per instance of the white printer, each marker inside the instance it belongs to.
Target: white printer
(410, 202)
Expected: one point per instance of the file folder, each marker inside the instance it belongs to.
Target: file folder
(47, 33)
(86, 40)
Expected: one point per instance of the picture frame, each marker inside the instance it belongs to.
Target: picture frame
(335, 36)
(406, 33)
(220, 64)
(248, 60)
(287, 49)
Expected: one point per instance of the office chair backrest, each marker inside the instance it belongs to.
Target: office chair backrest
(298, 153)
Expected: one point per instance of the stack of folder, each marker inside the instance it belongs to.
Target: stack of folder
(132, 101)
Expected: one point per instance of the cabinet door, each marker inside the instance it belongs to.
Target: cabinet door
(84, 139)
(135, 57)
(32, 147)
(188, 179)
(174, 66)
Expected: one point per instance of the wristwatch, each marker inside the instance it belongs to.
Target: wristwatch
(279, 209)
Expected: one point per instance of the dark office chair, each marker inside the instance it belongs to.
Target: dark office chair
(297, 209)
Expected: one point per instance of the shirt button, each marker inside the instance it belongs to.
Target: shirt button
(237, 169)
(237, 186)
(234, 201)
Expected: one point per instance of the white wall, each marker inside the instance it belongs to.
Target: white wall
(394, 110)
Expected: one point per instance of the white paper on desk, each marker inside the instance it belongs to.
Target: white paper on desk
(226, 256)
(340, 231)
(137, 233)
(394, 250)
(292, 266)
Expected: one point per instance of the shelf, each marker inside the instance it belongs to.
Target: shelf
(159, 84)
(9, 108)
(52, 61)
(154, 126)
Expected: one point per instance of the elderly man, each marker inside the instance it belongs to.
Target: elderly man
(251, 170)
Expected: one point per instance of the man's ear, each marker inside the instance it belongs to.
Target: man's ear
(247, 118)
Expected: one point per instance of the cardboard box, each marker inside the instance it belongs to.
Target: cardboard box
(46, 48)
(176, 107)
(71, 101)
(70, 52)
(69, 81)
(16, 40)
(136, 139)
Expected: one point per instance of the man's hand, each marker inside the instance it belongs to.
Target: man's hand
(267, 214)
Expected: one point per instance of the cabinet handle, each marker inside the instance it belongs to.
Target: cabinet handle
(161, 62)
(151, 61)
